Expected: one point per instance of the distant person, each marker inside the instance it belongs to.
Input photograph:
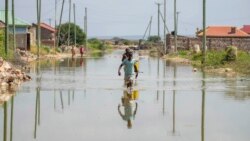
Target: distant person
(130, 108)
(129, 69)
(82, 51)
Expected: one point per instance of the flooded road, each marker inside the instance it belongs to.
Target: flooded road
(84, 99)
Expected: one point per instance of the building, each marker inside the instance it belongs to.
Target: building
(246, 28)
(224, 32)
(21, 28)
(218, 38)
(47, 34)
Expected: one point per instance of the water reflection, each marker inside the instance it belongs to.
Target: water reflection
(129, 105)
(203, 106)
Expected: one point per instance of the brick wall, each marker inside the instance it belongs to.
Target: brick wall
(185, 43)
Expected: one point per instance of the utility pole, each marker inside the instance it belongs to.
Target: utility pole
(6, 43)
(149, 33)
(13, 25)
(177, 23)
(55, 39)
(38, 27)
(69, 22)
(148, 27)
(164, 25)
(175, 27)
(165, 37)
(158, 5)
(74, 6)
(59, 27)
(204, 34)
(86, 27)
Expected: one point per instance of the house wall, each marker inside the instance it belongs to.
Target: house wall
(21, 41)
(46, 34)
(185, 43)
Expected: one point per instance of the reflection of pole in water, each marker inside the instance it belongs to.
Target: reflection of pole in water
(54, 99)
(164, 83)
(174, 81)
(61, 96)
(5, 120)
(68, 97)
(36, 112)
(12, 118)
(158, 73)
(203, 107)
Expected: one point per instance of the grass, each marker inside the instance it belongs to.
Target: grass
(216, 59)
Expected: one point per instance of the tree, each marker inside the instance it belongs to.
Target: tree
(80, 35)
(154, 39)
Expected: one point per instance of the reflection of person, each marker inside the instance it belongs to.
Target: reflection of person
(81, 51)
(130, 108)
(129, 66)
(73, 51)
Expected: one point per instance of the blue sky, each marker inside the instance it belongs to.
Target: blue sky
(130, 17)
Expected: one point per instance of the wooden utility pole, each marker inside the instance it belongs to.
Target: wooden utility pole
(158, 5)
(38, 4)
(13, 24)
(6, 42)
(149, 33)
(177, 22)
(74, 6)
(86, 27)
(204, 34)
(165, 24)
(175, 27)
(69, 22)
(59, 26)
(55, 39)
(165, 44)
(148, 27)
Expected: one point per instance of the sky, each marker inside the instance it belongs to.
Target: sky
(131, 17)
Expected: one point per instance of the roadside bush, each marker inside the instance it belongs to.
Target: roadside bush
(231, 53)
(2, 49)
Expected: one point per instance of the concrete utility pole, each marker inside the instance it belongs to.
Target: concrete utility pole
(69, 22)
(74, 6)
(204, 39)
(165, 44)
(6, 43)
(175, 27)
(59, 27)
(38, 4)
(13, 24)
(158, 5)
(86, 27)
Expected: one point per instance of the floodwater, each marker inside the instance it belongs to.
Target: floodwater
(85, 99)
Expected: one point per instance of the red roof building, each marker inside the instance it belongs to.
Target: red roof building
(224, 32)
(246, 28)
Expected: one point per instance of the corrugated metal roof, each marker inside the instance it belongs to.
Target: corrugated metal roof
(18, 21)
(224, 31)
